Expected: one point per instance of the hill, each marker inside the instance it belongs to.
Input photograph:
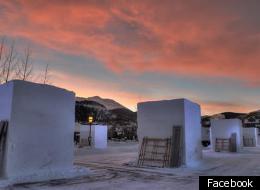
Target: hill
(121, 121)
(108, 103)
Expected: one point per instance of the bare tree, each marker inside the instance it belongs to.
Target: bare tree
(1, 49)
(46, 75)
(9, 63)
(1, 59)
(13, 66)
(25, 66)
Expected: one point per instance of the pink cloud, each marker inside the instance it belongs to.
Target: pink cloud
(186, 38)
(214, 107)
(189, 38)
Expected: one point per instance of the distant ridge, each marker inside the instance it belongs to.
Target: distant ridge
(108, 103)
(229, 115)
(232, 115)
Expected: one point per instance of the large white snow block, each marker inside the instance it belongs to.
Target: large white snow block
(98, 134)
(250, 133)
(40, 133)
(224, 128)
(156, 119)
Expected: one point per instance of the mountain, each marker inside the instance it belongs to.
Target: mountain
(124, 114)
(108, 103)
(89, 103)
(228, 115)
(121, 121)
(205, 120)
(255, 114)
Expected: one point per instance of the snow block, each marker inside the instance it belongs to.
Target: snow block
(224, 128)
(156, 119)
(39, 144)
(98, 134)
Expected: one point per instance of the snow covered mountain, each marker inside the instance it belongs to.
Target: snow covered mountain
(108, 103)
(122, 122)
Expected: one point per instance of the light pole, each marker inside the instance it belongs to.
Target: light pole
(90, 121)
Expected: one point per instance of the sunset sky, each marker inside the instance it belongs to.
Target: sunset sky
(131, 51)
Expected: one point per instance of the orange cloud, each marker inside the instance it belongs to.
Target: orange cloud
(189, 38)
(186, 38)
(214, 107)
(87, 87)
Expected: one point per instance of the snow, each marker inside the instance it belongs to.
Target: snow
(224, 128)
(156, 119)
(39, 144)
(43, 175)
(112, 169)
(98, 134)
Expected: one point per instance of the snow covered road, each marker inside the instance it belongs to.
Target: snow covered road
(113, 169)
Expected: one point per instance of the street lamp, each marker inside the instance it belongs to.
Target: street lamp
(90, 121)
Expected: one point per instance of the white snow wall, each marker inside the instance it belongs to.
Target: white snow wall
(98, 134)
(223, 128)
(157, 118)
(41, 126)
(5, 112)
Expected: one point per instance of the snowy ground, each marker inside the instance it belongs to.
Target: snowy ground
(111, 170)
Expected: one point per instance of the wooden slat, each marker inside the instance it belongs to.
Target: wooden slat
(233, 142)
(222, 144)
(176, 147)
(3, 133)
(154, 152)
(3, 139)
(248, 142)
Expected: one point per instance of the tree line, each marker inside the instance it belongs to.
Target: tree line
(18, 65)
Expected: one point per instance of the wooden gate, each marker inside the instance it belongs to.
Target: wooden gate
(248, 142)
(222, 145)
(165, 152)
(155, 152)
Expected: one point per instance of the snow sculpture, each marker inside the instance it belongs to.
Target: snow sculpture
(223, 129)
(156, 119)
(39, 143)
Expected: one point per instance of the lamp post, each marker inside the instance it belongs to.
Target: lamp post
(90, 121)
